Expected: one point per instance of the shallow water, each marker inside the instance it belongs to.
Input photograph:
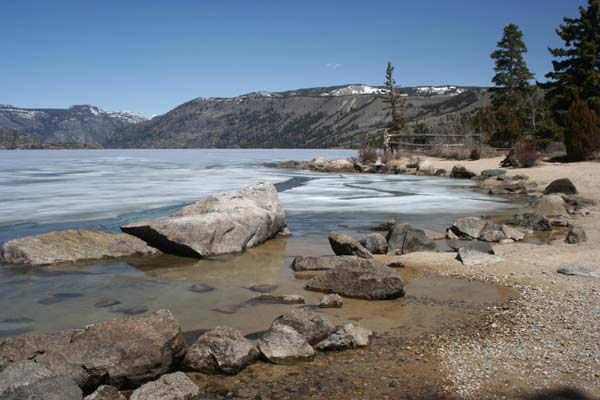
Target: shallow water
(49, 190)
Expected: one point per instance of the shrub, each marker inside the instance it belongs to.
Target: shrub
(367, 154)
(475, 154)
(582, 137)
(525, 153)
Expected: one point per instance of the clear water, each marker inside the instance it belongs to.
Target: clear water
(49, 190)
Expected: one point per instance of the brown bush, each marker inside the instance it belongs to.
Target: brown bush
(525, 153)
(475, 154)
(582, 138)
(367, 154)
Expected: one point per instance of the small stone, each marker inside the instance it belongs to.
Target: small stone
(103, 303)
(576, 235)
(201, 288)
(135, 310)
(331, 301)
(347, 337)
(263, 288)
(280, 299)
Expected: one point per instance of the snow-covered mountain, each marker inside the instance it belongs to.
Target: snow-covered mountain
(80, 124)
(352, 90)
(438, 90)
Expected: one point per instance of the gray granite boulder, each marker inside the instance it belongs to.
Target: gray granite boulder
(403, 239)
(492, 233)
(576, 235)
(375, 243)
(122, 352)
(347, 337)
(51, 388)
(322, 263)
(363, 279)
(331, 301)
(563, 185)
(72, 245)
(476, 245)
(472, 258)
(282, 344)
(222, 224)
(576, 270)
(344, 245)
(308, 323)
(105, 392)
(221, 349)
(175, 386)
(468, 227)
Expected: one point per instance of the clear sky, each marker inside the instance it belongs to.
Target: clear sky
(150, 56)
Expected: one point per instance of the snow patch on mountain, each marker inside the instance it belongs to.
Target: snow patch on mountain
(352, 90)
(438, 90)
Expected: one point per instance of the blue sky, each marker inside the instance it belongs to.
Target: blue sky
(150, 56)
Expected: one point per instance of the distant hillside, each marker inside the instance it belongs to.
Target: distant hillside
(11, 139)
(340, 116)
(85, 125)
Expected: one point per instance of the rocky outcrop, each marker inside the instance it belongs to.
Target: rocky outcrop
(576, 235)
(403, 239)
(363, 279)
(222, 224)
(472, 257)
(222, 349)
(344, 245)
(175, 386)
(72, 245)
(331, 301)
(347, 337)
(121, 352)
(105, 392)
(563, 185)
(374, 243)
(323, 263)
(461, 172)
(282, 344)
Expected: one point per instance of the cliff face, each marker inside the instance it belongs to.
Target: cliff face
(84, 125)
(345, 116)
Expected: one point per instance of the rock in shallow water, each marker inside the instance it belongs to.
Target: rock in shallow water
(347, 337)
(122, 352)
(323, 263)
(222, 349)
(282, 344)
(201, 288)
(222, 224)
(404, 239)
(175, 386)
(308, 323)
(72, 245)
(331, 301)
(363, 279)
(344, 245)
(278, 299)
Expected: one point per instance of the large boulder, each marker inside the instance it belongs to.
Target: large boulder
(308, 323)
(72, 245)
(472, 257)
(474, 245)
(492, 232)
(468, 227)
(403, 239)
(222, 224)
(339, 166)
(106, 392)
(175, 386)
(282, 344)
(347, 337)
(563, 185)
(52, 388)
(344, 245)
(375, 243)
(222, 349)
(549, 206)
(121, 352)
(22, 373)
(576, 235)
(323, 263)
(461, 172)
(363, 279)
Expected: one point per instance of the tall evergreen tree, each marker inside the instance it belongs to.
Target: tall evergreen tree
(576, 74)
(512, 74)
(394, 102)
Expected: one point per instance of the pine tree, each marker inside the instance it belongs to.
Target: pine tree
(584, 131)
(512, 74)
(576, 72)
(395, 103)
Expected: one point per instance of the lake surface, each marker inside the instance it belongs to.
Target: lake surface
(42, 191)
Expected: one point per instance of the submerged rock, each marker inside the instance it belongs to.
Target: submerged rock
(103, 303)
(105, 392)
(72, 245)
(576, 235)
(201, 288)
(175, 386)
(263, 288)
(347, 337)
(280, 299)
(471, 257)
(563, 185)
(322, 263)
(222, 349)
(331, 301)
(403, 239)
(363, 279)
(122, 352)
(493, 172)
(344, 245)
(374, 243)
(282, 344)
(222, 224)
